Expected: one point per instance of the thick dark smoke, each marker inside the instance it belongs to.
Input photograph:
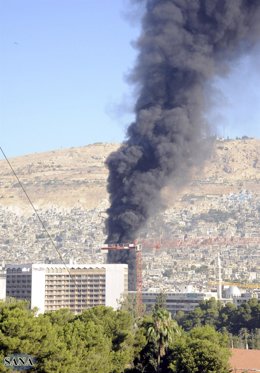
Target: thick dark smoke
(183, 45)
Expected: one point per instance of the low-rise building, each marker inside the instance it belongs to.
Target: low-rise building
(175, 302)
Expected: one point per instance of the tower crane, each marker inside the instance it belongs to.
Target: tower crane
(177, 243)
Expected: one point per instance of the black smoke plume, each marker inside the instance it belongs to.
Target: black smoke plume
(183, 45)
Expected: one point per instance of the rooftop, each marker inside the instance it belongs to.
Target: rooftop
(245, 360)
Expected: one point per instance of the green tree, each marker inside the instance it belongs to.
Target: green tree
(129, 303)
(66, 352)
(247, 315)
(22, 332)
(99, 340)
(160, 301)
(161, 331)
(119, 328)
(225, 317)
(145, 360)
(202, 350)
(255, 339)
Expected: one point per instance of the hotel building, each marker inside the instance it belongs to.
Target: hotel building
(50, 287)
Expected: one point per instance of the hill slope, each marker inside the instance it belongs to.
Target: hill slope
(77, 176)
(68, 187)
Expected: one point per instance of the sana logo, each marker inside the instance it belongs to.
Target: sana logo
(19, 361)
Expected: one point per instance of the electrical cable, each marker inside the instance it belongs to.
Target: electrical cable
(35, 210)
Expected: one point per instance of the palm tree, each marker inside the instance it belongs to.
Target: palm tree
(161, 331)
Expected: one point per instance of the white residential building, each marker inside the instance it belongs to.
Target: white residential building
(75, 286)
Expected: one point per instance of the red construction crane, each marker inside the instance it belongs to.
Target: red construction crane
(174, 243)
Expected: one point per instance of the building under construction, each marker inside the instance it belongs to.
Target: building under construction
(130, 254)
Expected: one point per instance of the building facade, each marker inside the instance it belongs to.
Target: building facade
(129, 254)
(2, 283)
(50, 287)
(175, 302)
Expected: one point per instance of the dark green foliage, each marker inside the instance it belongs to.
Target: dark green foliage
(229, 319)
(102, 340)
(99, 340)
(160, 332)
(22, 332)
(118, 327)
(203, 350)
(160, 301)
(246, 316)
(146, 362)
(207, 313)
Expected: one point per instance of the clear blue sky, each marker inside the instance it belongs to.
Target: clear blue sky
(62, 76)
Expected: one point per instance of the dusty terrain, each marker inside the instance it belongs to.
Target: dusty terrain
(76, 177)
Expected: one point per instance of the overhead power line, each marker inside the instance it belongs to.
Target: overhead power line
(35, 210)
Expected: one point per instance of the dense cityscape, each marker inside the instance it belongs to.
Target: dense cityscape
(79, 234)
(202, 251)
(138, 253)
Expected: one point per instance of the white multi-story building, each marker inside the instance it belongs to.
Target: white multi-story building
(75, 286)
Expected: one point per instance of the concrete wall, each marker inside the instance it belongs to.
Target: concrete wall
(115, 284)
(2, 285)
(38, 287)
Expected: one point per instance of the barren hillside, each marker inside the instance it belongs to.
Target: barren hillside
(76, 177)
